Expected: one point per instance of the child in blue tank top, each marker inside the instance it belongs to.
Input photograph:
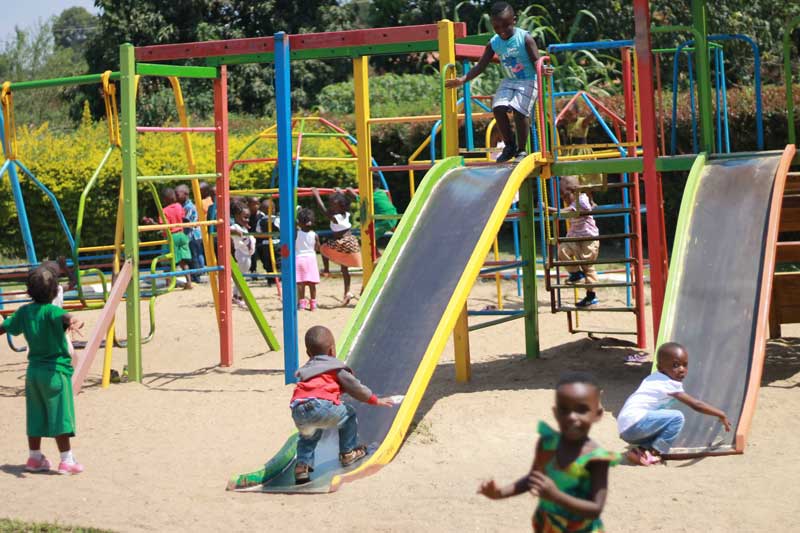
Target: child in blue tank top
(518, 54)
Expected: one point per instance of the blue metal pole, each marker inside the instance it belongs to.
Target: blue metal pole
(54, 200)
(718, 96)
(468, 112)
(19, 202)
(283, 105)
(725, 120)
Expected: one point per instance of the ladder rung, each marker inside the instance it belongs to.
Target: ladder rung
(593, 332)
(605, 187)
(608, 237)
(608, 284)
(601, 211)
(178, 177)
(580, 263)
(593, 309)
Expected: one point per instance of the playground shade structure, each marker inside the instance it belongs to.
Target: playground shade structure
(407, 313)
(717, 301)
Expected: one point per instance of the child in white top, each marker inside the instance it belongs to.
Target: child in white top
(343, 248)
(305, 250)
(645, 421)
(244, 244)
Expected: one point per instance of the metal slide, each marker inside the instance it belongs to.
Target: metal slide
(406, 314)
(718, 294)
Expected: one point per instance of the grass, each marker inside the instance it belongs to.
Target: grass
(8, 526)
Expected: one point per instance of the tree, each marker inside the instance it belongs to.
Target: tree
(73, 27)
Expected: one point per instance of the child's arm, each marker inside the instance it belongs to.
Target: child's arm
(316, 243)
(703, 407)
(321, 204)
(531, 49)
(474, 72)
(520, 486)
(543, 487)
(352, 386)
(71, 323)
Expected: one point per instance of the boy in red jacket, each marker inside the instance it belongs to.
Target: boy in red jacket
(316, 403)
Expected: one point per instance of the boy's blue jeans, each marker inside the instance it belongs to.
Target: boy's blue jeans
(657, 430)
(313, 416)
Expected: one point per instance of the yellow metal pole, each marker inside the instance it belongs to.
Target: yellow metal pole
(447, 55)
(364, 151)
(496, 248)
(118, 232)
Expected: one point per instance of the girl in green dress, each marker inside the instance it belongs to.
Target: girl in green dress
(570, 471)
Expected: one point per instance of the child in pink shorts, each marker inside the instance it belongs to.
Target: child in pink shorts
(305, 250)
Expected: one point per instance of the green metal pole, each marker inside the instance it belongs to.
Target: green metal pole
(788, 75)
(131, 214)
(703, 75)
(527, 232)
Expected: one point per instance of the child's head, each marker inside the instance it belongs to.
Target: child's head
(376, 181)
(239, 213)
(577, 405)
(503, 19)
(268, 206)
(168, 196)
(305, 219)
(568, 187)
(253, 205)
(672, 359)
(320, 341)
(205, 190)
(182, 194)
(42, 283)
(339, 203)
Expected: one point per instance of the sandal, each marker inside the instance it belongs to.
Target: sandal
(347, 298)
(639, 357)
(635, 456)
(651, 458)
(302, 473)
(356, 454)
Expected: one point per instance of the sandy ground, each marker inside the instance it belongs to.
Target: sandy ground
(158, 454)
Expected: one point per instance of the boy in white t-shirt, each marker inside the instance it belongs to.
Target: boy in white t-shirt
(244, 244)
(645, 421)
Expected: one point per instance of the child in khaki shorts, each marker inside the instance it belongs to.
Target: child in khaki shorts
(583, 250)
(48, 380)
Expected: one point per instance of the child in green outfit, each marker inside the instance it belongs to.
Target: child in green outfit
(48, 381)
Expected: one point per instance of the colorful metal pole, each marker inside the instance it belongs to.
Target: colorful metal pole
(656, 243)
(363, 173)
(19, 201)
(527, 230)
(224, 214)
(703, 75)
(636, 216)
(283, 105)
(447, 59)
(128, 130)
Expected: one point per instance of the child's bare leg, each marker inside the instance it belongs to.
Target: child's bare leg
(186, 266)
(62, 441)
(301, 291)
(312, 290)
(503, 124)
(523, 125)
(346, 279)
(326, 265)
(34, 443)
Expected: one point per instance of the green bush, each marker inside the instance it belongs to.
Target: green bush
(391, 95)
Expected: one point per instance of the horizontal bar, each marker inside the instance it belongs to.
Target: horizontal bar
(156, 129)
(606, 237)
(600, 285)
(499, 268)
(296, 134)
(592, 332)
(598, 309)
(325, 40)
(86, 79)
(621, 165)
(387, 217)
(179, 71)
(178, 177)
(157, 227)
(326, 159)
(176, 273)
(496, 312)
(400, 168)
(109, 247)
(479, 39)
(593, 45)
(421, 118)
(603, 262)
(491, 323)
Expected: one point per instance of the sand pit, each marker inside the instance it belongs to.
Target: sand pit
(158, 455)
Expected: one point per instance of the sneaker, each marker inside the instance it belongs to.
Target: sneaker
(587, 301)
(302, 473)
(303, 304)
(520, 156)
(70, 469)
(37, 465)
(508, 153)
(575, 277)
(312, 305)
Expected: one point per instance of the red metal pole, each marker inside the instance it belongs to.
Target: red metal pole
(638, 266)
(223, 213)
(656, 243)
